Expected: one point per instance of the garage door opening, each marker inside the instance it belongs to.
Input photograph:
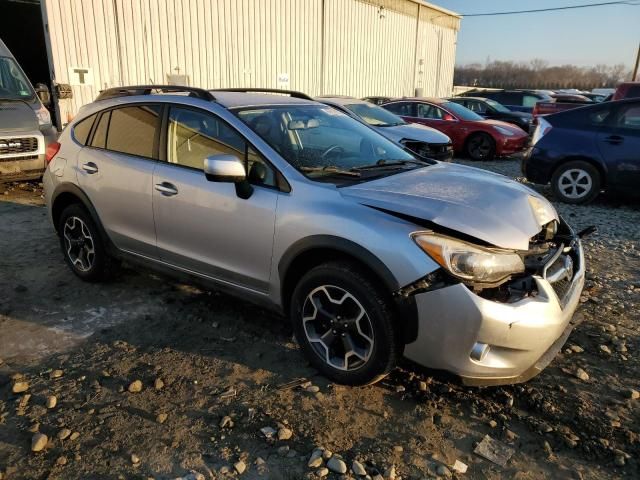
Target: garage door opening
(22, 31)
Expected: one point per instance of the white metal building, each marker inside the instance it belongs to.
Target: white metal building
(348, 47)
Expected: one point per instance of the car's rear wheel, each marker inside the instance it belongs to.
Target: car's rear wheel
(576, 182)
(344, 323)
(481, 146)
(82, 245)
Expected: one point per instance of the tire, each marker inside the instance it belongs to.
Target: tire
(480, 146)
(82, 246)
(576, 182)
(374, 341)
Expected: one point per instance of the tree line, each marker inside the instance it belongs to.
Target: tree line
(539, 74)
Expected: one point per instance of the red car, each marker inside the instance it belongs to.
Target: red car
(627, 90)
(470, 134)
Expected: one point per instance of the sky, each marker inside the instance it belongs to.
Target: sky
(597, 35)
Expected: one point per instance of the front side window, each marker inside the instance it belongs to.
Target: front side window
(476, 106)
(320, 140)
(132, 130)
(629, 117)
(195, 135)
(530, 101)
(13, 83)
(426, 110)
(405, 109)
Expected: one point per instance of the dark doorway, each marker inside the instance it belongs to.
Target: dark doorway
(22, 31)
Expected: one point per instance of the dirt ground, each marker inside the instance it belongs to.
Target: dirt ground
(215, 372)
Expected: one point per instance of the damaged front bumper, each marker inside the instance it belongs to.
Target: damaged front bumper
(489, 342)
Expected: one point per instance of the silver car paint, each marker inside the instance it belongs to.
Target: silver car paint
(489, 207)
(464, 199)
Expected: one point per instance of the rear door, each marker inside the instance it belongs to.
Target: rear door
(115, 170)
(619, 143)
(203, 226)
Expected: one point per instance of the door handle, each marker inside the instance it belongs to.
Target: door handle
(614, 139)
(90, 167)
(167, 189)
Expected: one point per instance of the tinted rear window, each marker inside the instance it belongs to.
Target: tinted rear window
(82, 129)
(132, 130)
(581, 117)
(100, 134)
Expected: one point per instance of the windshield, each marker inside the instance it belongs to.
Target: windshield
(462, 112)
(374, 115)
(323, 142)
(13, 83)
(497, 106)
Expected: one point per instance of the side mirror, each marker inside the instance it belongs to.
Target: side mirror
(224, 168)
(229, 169)
(43, 94)
(448, 118)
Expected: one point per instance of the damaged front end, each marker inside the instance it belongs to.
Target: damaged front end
(502, 332)
(552, 255)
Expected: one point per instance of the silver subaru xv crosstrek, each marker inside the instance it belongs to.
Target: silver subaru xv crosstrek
(372, 251)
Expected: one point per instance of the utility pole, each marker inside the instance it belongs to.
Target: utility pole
(635, 77)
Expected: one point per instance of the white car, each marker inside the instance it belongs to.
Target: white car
(425, 141)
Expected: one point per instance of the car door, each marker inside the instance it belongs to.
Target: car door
(115, 170)
(438, 118)
(619, 143)
(203, 226)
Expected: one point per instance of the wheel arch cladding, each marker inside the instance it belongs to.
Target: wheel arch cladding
(309, 252)
(67, 194)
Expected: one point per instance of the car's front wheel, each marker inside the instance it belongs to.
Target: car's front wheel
(576, 182)
(82, 245)
(481, 146)
(344, 323)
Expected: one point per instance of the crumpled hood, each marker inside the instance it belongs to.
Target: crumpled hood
(413, 131)
(16, 117)
(484, 205)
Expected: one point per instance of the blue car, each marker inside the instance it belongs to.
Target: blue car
(586, 150)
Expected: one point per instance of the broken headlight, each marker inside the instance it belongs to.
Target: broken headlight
(468, 262)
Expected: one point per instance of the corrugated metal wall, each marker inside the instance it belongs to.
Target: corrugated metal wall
(351, 47)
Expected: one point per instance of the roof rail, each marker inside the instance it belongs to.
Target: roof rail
(151, 89)
(291, 93)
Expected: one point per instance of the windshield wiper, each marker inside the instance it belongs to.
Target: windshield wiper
(331, 169)
(389, 163)
(390, 124)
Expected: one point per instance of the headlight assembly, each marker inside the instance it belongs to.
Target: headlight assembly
(468, 262)
(44, 118)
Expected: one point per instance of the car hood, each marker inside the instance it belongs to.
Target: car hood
(413, 131)
(500, 123)
(474, 202)
(16, 117)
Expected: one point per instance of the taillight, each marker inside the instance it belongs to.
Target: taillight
(542, 128)
(51, 151)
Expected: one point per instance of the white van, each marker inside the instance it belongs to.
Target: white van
(25, 123)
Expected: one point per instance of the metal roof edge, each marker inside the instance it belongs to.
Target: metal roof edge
(436, 7)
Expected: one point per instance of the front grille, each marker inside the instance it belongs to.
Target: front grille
(429, 150)
(562, 289)
(11, 146)
(19, 159)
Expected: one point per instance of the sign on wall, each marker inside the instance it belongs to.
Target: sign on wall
(283, 80)
(79, 76)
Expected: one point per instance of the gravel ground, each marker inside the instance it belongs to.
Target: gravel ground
(155, 379)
